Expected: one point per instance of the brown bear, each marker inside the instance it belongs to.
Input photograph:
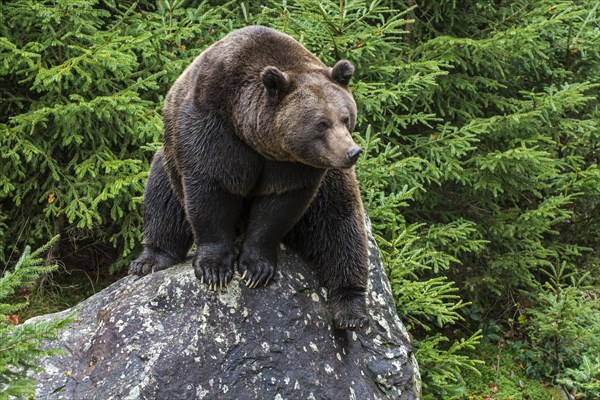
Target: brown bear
(258, 145)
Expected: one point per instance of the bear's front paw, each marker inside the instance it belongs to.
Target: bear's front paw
(213, 265)
(257, 266)
(349, 309)
(151, 260)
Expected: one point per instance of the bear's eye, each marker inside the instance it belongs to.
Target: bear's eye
(323, 125)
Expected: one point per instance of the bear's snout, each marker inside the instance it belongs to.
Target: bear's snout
(354, 153)
(341, 151)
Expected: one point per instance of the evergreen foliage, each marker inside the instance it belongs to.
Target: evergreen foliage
(479, 121)
(564, 332)
(20, 344)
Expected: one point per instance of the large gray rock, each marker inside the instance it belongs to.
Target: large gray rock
(165, 336)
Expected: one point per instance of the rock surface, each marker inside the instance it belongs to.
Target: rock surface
(165, 336)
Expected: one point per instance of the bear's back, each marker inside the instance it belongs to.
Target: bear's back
(253, 48)
(232, 66)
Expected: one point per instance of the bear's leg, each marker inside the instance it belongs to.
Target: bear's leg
(167, 234)
(216, 169)
(271, 217)
(213, 214)
(332, 237)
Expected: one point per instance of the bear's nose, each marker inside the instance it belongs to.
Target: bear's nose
(354, 153)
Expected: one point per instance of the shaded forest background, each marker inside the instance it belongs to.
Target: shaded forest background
(480, 124)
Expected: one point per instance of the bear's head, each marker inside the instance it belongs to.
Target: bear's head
(315, 115)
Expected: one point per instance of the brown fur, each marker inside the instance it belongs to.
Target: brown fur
(258, 135)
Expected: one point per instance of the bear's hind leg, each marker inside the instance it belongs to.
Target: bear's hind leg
(332, 237)
(167, 234)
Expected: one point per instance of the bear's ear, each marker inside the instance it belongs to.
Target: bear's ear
(342, 72)
(276, 82)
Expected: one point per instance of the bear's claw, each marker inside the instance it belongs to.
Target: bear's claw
(252, 284)
(257, 264)
(348, 304)
(213, 268)
(262, 274)
(214, 278)
(151, 260)
(256, 272)
(350, 321)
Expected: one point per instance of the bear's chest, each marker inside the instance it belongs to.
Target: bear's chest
(277, 177)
